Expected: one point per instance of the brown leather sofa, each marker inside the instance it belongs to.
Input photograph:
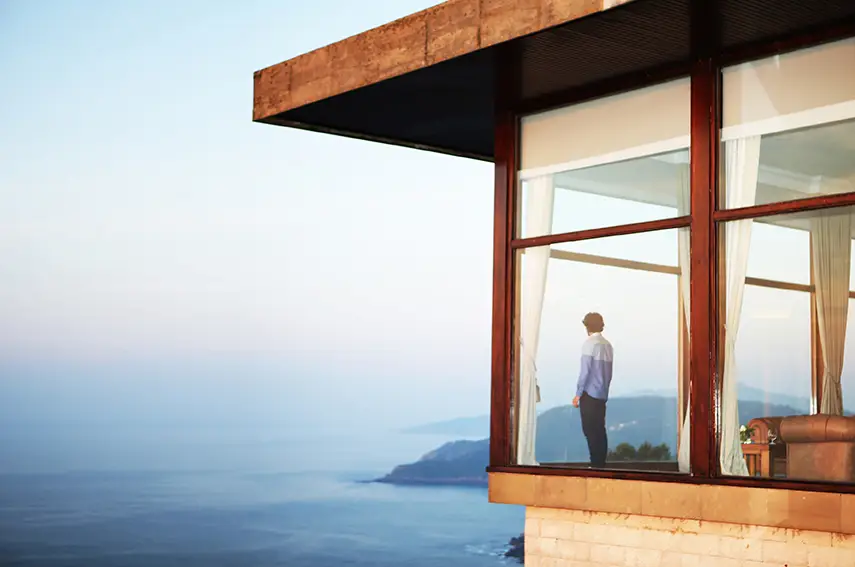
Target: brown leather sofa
(820, 447)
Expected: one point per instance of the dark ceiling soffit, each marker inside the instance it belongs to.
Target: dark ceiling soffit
(281, 120)
(445, 108)
(606, 87)
(448, 107)
(809, 36)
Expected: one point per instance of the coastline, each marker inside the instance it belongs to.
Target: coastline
(464, 482)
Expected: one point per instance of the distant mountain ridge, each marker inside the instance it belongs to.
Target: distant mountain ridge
(632, 420)
(479, 426)
(746, 393)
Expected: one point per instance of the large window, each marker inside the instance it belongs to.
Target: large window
(609, 279)
(601, 324)
(784, 279)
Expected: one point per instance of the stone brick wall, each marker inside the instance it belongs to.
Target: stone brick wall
(567, 538)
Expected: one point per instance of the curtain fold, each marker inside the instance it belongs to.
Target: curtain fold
(831, 242)
(684, 261)
(742, 163)
(539, 204)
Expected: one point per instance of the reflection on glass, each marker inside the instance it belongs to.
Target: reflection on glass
(630, 191)
(601, 355)
(606, 162)
(789, 126)
(783, 394)
(797, 164)
(778, 253)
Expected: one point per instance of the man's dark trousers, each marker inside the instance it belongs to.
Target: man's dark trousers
(593, 413)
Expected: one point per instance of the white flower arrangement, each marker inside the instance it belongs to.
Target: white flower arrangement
(745, 434)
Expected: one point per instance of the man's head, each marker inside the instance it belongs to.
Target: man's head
(593, 323)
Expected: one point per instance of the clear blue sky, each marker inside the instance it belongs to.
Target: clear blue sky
(158, 245)
(163, 258)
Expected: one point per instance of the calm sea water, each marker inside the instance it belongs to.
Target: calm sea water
(234, 498)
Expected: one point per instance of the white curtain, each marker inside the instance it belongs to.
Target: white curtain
(831, 240)
(742, 163)
(684, 261)
(540, 198)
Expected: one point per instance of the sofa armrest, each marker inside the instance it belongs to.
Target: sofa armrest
(818, 428)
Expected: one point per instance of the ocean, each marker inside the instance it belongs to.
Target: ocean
(236, 497)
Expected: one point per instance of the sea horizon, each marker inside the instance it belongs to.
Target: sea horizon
(259, 498)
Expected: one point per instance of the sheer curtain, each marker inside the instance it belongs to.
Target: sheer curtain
(831, 242)
(684, 260)
(539, 203)
(742, 163)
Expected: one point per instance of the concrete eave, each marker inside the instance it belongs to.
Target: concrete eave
(445, 31)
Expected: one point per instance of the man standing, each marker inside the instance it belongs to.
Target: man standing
(592, 390)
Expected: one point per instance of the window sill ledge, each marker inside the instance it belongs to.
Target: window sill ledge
(668, 495)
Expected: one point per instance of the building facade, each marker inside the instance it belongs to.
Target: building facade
(686, 169)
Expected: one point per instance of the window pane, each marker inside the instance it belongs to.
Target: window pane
(778, 252)
(606, 162)
(773, 353)
(789, 126)
(770, 336)
(632, 369)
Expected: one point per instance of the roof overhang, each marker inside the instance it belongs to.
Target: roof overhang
(428, 81)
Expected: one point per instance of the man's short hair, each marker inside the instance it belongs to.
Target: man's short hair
(593, 322)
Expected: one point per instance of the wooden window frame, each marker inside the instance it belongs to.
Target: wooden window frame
(705, 70)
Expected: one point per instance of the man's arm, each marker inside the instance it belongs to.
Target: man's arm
(584, 372)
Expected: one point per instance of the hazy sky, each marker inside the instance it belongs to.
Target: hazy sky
(155, 244)
(162, 258)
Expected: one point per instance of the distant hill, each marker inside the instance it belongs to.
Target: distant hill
(479, 426)
(632, 420)
(746, 393)
(458, 463)
(751, 394)
(461, 427)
